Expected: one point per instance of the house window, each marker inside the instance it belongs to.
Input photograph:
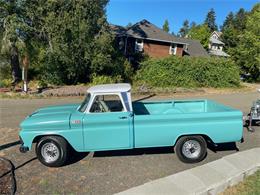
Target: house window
(173, 49)
(139, 45)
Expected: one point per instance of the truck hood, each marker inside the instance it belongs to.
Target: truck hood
(50, 118)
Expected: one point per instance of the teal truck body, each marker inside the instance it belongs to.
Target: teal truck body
(118, 123)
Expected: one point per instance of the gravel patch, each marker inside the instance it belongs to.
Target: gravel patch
(73, 90)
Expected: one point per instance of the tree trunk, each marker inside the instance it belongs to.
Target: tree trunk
(15, 66)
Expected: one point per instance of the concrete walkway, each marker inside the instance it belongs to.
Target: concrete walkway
(211, 178)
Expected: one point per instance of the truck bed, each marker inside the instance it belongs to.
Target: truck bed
(178, 107)
(160, 123)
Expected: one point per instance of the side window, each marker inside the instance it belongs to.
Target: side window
(107, 103)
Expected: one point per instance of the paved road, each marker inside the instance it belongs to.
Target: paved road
(102, 172)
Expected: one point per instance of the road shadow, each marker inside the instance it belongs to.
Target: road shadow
(8, 145)
(134, 152)
(160, 150)
(223, 147)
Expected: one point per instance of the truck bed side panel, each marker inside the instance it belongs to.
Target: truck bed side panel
(164, 130)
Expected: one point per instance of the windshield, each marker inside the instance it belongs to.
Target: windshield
(84, 104)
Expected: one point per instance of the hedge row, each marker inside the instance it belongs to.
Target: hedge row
(188, 72)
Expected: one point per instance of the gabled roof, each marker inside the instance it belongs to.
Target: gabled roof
(195, 49)
(146, 30)
(218, 53)
(118, 30)
(107, 88)
(216, 41)
(218, 33)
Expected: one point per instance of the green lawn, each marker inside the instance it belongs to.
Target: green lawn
(250, 186)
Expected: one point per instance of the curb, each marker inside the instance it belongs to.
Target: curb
(208, 179)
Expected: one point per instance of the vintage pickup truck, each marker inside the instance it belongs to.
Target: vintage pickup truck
(108, 120)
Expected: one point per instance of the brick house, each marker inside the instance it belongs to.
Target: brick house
(147, 38)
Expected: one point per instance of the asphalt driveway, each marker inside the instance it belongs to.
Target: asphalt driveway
(101, 172)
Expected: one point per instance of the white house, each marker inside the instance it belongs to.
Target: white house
(216, 46)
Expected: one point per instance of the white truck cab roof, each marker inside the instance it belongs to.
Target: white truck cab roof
(123, 90)
(110, 88)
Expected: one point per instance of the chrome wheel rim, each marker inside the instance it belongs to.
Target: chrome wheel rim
(191, 149)
(50, 152)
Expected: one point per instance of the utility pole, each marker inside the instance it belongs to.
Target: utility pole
(24, 73)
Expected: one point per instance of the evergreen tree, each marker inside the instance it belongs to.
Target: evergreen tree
(210, 20)
(166, 27)
(129, 25)
(240, 19)
(192, 24)
(184, 29)
(233, 27)
(229, 21)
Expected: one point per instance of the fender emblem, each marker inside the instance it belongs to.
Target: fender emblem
(76, 122)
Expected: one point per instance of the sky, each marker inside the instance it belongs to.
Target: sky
(122, 12)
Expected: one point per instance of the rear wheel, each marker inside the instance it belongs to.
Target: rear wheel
(52, 151)
(191, 149)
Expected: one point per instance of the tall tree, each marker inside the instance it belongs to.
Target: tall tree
(12, 26)
(84, 45)
(201, 33)
(184, 29)
(166, 27)
(246, 54)
(192, 24)
(233, 27)
(229, 21)
(210, 20)
(129, 25)
(240, 19)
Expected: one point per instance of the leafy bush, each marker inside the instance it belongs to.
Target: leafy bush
(103, 79)
(5, 83)
(128, 71)
(5, 69)
(188, 72)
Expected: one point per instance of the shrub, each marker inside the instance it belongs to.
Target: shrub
(128, 71)
(5, 69)
(188, 72)
(103, 79)
(5, 83)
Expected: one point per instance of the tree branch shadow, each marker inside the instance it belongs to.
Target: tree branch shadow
(12, 172)
(8, 145)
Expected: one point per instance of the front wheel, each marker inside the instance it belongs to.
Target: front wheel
(52, 151)
(191, 149)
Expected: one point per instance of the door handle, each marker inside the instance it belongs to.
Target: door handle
(123, 117)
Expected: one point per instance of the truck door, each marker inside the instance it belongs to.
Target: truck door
(107, 125)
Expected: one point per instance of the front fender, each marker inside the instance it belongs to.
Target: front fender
(73, 137)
